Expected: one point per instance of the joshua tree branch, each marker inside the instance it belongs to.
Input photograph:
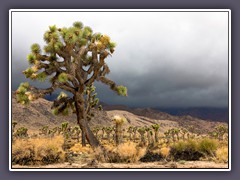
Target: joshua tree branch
(108, 82)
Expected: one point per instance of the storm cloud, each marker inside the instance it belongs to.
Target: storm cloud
(166, 59)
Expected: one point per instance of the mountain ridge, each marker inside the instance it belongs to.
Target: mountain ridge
(38, 114)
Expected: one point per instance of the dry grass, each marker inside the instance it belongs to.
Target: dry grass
(78, 148)
(165, 151)
(38, 151)
(127, 152)
(130, 151)
(222, 154)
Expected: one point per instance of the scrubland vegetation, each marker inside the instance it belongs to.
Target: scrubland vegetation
(119, 144)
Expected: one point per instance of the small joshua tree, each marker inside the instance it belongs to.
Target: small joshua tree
(221, 131)
(21, 132)
(73, 59)
(173, 132)
(177, 132)
(14, 124)
(184, 132)
(96, 131)
(108, 131)
(103, 132)
(75, 133)
(142, 132)
(130, 131)
(167, 136)
(134, 130)
(64, 126)
(156, 128)
(44, 130)
(119, 121)
(213, 134)
(149, 136)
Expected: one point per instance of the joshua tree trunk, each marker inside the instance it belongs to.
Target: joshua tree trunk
(156, 136)
(81, 120)
(149, 138)
(143, 141)
(118, 134)
(83, 139)
(108, 137)
(130, 136)
(134, 136)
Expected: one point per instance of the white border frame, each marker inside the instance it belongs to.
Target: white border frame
(124, 10)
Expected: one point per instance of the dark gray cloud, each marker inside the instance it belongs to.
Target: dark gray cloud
(165, 59)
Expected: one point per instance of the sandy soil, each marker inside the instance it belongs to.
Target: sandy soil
(161, 165)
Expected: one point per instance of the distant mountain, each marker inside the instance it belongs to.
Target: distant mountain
(214, 114)
(38, 114)
(211, 114)
(205, 113)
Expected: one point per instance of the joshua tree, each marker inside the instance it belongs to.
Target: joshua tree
(73, 59)
(173, 132)
(21, 132)
(44, 130)
(221, 130)
(156, 128)
(96, 131)
(184, 131)
(167, 136)
(119, 121)
(142, 132)
(13, 126)
(177, 131)
(130, 131)
(64, 126)
(213, 134)
(103, 132)
(108, 131)
(134, 129)
(75, 133)
(149, 136)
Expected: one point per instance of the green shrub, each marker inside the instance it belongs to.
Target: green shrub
(193, 149)
(208, 146)
(185, 150)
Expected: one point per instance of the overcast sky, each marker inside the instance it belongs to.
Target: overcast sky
(166, 59)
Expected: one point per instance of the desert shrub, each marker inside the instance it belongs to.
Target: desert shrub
(194, 149)
(151, 157)
(222, 154)
(156, 153)
(38, 151)
(208, 146)
(124, 153)
(185, 150)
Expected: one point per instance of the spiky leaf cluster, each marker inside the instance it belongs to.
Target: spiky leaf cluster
(122, 90)
(119, 120)
(35, 48)
(156, 127)
(141, 130)
(62, 105)
(63, 77)
(24, 96)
